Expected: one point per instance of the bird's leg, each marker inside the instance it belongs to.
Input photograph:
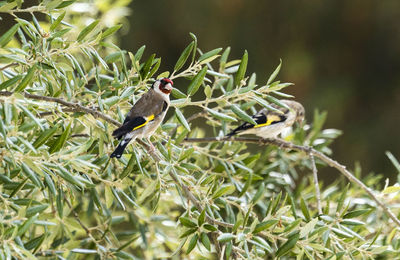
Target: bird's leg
(152, 148)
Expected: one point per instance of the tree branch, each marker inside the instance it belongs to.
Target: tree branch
(75, 106)
(9, 65)
(290, 146)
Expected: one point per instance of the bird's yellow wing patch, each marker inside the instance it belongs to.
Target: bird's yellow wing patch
(148, 119)
(270, 119)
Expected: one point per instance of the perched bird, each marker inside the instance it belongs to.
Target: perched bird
(145, 116)
(271, 123)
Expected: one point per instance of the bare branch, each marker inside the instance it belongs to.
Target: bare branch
(9, 65)
(290, 146)
(75, 106)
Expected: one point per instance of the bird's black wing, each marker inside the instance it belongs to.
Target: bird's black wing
(131, 124)
(261, 120)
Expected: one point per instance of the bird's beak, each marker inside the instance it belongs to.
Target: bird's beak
(168, 87)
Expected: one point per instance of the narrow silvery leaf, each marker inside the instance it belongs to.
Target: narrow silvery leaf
(240, 113)
(242, 69)
(182, 119)
(184, 56)
(196, 82)
(274, 74)
(87, 30)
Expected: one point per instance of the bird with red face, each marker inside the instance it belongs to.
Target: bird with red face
(145, 116)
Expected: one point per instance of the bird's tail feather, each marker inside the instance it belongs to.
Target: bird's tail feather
(120, 148)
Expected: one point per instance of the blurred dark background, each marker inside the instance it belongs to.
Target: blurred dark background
(343, 56)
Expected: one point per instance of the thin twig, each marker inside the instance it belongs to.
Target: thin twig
(31, 9)
(75, 106)
(316, 183)
(9, 65)
(77, 219)
(287, 145)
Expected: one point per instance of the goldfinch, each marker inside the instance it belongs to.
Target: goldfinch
(145, 116)
(271, 123)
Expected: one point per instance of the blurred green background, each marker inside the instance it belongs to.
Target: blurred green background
(343, 56)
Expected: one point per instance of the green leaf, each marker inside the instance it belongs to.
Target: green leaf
(209, 54)
(356, 213)
(87, 30)
(308, 228)
(240, 113)
(264, 225)
(61, 140)
(205, 241)
(305, 210)
(224, 57)
(139, 53)
(60, 203)
(35, 242)
(7, 36)
(196, 82)
(192, 243)
(35, 209)
(221, 116)
(208, 91)
(224, 190)
(260, 242)
(258, 194)
(225, 237)
(184, 56)
(277, 101)
(148, 192)
(275, 73)
(391, 189)
(31, 175)
(202, 217)
(178, 94)
(342, 198)
(242, 69)
(182, 119)
(210, 227)
(24, 227)
(188, 232)
(44, 136)
(146, 67)
(129, 167)
(187, 222)
(391, 157)
(26, 80)
(57, 21)
(290, 243)
(10, 82)
(351, 222)
(186, 153)
(341, 233)
(247, 184)
(66, 175)
(50, 183)
(110, 31)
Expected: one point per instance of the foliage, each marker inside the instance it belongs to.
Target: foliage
(62, 195)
